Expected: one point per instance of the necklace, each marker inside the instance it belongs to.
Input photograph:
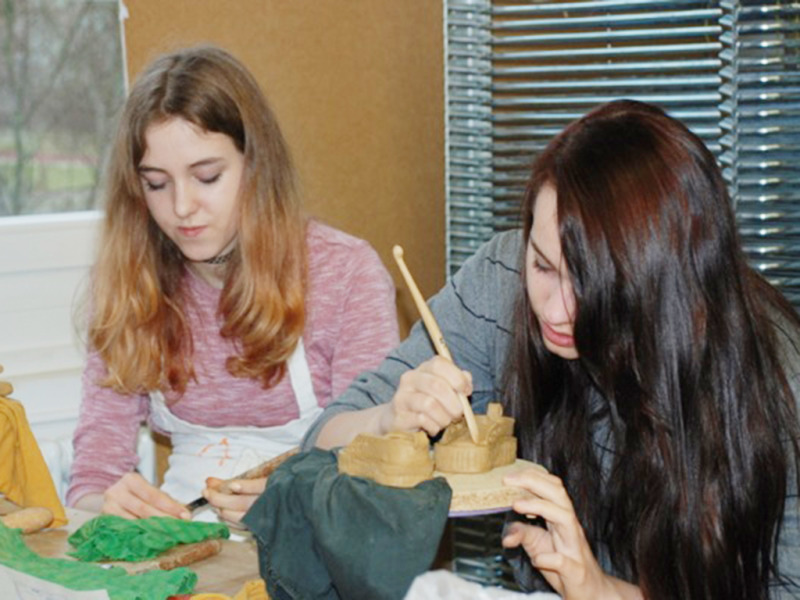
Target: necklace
(219, 259)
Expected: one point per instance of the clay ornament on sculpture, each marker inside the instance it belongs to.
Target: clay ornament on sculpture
(397, 459)
(403, 459)
(455, 452)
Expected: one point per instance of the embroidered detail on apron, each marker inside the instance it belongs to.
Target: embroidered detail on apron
(199, 452)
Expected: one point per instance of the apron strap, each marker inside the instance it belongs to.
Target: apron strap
(300, 378)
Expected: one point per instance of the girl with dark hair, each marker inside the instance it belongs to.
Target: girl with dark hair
(648, 367)
(219, 312)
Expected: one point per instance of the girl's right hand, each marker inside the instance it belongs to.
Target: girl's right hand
(427, 398)
(133, 497)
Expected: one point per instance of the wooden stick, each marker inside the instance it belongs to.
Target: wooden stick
(436, 336)
(265, 469)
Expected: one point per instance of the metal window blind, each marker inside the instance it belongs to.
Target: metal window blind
(761, 133)
(518, 72)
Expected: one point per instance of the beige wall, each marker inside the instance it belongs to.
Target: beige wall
(358, 88)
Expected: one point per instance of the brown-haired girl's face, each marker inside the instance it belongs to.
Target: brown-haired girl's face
(549, 286)
(191, 179)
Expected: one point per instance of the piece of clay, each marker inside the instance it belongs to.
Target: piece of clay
(455, 452)
(29, 520)
(186, 554)
(397, 459)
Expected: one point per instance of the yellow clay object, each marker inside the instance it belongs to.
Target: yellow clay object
(457, 453)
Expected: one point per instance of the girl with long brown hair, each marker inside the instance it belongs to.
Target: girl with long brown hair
(219, 312)
(648, 367)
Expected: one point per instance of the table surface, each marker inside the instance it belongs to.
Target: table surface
(224, 573)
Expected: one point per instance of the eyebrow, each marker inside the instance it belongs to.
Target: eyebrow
(200, 163)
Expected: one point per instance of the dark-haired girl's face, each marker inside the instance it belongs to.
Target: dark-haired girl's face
(549, 286)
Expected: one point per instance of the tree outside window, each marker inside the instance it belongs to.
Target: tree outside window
(61, 85)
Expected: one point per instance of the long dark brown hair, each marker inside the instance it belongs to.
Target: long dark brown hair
(681, 346)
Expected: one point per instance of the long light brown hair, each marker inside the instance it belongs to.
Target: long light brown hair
(138, 322)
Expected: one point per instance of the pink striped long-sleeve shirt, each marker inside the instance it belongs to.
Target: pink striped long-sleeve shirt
(351, 323)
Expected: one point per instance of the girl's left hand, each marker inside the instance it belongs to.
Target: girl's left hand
(559, 551)
(231, 506)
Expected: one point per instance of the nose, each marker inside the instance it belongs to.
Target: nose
(560, 306)
(183, 202)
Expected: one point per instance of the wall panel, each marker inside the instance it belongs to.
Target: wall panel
(358, 88)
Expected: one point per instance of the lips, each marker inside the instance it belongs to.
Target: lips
(554, 337)
(191, 232)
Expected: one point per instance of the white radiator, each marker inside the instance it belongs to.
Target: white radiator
(57, 454)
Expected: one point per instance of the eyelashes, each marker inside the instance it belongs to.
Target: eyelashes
(210, 180)
(151, 186)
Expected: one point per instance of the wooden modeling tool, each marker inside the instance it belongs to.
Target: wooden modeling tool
(436, 336)
(265, 469)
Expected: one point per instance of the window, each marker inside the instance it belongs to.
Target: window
(62, 73)
(61, 84)
(518, 72)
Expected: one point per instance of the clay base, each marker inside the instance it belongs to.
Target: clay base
(484, 493)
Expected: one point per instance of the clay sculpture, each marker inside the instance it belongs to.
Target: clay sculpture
(403, 459)
(397, 459)
(455, 452)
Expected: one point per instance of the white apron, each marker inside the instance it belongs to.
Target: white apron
(199, 451)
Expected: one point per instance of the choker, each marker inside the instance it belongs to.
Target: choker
(219, 259)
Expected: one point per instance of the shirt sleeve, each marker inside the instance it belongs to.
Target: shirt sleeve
(105, 440)
(785, 583)
(471, 311)
(367, 320)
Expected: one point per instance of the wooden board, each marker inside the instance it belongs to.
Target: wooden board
(484, 493)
